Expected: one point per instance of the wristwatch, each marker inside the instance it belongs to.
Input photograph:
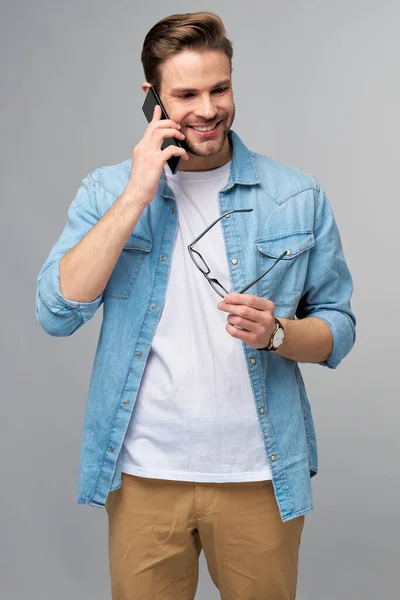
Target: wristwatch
(277, 337)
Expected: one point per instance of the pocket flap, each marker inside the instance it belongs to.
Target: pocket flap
(137, 242)
(275, 245)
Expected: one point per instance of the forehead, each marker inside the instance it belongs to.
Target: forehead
(194, 69)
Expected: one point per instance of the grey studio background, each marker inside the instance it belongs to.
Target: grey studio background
(316, 85)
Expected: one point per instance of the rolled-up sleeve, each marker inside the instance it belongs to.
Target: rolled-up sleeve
(56, 314)
(329, 285)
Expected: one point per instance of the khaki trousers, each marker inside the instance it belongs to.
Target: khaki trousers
(158, 527)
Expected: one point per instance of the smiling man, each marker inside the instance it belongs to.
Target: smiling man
(205, 113)
(217, 281)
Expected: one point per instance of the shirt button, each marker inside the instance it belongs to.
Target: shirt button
(253, 361)
(126, 402)
(273, 458)
(163, 258)
(261, 410)
(154, 306)
(111, 448)
(139, 354)
(172, 210)
(227, 216)
(234, 261)
(288, 252)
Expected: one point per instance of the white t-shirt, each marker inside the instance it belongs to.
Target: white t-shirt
(195, 418)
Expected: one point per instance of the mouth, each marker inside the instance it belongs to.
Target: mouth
(207, 133)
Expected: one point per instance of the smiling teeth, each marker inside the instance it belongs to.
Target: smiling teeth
(205, 128)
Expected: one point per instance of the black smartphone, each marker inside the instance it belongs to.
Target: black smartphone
(152, 98)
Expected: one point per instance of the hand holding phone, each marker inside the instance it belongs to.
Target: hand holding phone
(149, 156)
(151, 101)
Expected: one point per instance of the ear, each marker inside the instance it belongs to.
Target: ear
(146, 86)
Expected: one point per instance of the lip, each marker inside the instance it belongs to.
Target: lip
(206, 133)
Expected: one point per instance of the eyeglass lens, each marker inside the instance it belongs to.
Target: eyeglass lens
(199, 261)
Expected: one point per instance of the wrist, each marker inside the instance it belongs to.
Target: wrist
(277, 337)
(133, 195)
(131, 200)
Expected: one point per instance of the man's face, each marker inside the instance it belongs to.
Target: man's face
(196, 90)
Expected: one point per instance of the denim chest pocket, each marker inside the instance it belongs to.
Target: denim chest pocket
(284, 284)
(127, 267)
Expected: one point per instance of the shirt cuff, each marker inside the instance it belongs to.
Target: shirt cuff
(343, 334)
(57, 303)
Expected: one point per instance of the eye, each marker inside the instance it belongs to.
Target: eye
(220, 90)
(216, 91)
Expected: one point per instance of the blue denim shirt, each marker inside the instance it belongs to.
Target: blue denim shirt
(290, 211)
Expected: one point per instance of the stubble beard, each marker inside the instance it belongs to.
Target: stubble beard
(209, 147)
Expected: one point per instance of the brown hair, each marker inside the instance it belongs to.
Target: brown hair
(193, 31)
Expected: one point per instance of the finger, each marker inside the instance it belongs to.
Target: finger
(165, 123)
(162, 133)
(156, 113)
(240, 334)
(245, 324)
(256, 302)
(157, 120)
(241, 310)
(173, 150)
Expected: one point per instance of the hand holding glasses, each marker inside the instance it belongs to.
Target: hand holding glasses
(205, 269)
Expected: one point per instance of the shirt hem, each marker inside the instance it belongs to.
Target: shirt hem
(196, 476)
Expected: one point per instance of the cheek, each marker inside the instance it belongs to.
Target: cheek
(229, 109)
(229, 103)
(177, 115)
(182, 117)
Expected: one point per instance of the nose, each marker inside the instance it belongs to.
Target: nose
(205, 108)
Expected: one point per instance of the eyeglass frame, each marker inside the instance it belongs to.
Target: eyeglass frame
(212, 281)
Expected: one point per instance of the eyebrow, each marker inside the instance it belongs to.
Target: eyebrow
(181, 90)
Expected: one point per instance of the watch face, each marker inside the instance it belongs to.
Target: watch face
(279, 337)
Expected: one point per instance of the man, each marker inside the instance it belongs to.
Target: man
(198, 432)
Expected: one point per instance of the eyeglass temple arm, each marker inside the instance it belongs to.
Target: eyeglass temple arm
(229, 212)
(267, 271)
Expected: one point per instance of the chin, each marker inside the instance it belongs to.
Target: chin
(204, 152)
(208, 148)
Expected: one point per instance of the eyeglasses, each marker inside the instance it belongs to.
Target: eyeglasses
(205, 269)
